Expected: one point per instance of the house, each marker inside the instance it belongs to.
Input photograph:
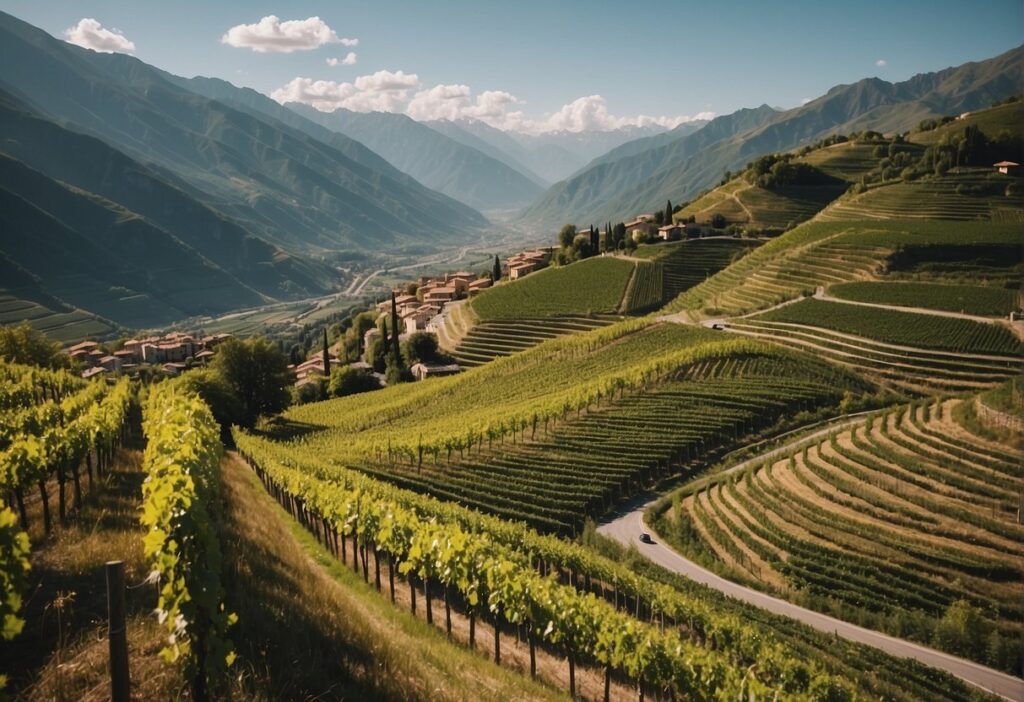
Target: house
(93, 372)
(670, 232)
(86, 346)
(204, 356)
(441, 294)
(111, 363)
(464, 276)
(417, 321)
(520, 270)
(640, 228)
(422, 371)
(478, 285)
(1007, 167)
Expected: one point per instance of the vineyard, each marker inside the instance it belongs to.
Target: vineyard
(897, 521)
(688, 263)
(590, 610)
(486, 341)
(898, 328)
(822, 253)
(646, 288)
(979, 300)
(594, 285)
(51, 422)
(181, 462)
(970, 195)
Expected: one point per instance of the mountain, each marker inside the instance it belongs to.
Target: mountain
(439, 162)
(638, 179)
(598, 191)
(96, 255)
(552, 156)
(166, 202)
(493, 147)
(275, 180)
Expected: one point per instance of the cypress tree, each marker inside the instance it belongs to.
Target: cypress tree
(327, 357)
(594, 243)
(394, 331)
(496, 273)
(668, 212)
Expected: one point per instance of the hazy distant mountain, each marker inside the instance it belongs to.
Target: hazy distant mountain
(492, 147)
(553, 155)
(642, 176)
(436, 160)
(275, 180)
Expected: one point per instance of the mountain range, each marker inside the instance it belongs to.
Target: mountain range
(449, 166)
(145, 197)
(642, 175)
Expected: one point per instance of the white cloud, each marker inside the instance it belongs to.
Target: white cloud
(591, 113)
(881, 63)
(345, 41)
(804, 101)
(382, 91)
(349, 60)
(271, 35)
(92, 35)
(389, 92)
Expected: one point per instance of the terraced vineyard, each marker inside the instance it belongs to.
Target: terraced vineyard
(63, 326)
(587, 463)
(849, 160)
(821, 253)
(486, 341)
(970, 195)
(688, 263)
(908, 511)
(982, 300)
(898, 327)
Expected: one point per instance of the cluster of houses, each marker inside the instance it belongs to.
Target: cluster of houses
(416, 311)
(172, 353)
(643, 228)
(526, 262)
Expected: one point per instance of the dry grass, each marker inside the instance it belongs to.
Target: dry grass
(62, 653)
(311, 629)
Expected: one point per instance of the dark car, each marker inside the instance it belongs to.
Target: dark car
(646, 538)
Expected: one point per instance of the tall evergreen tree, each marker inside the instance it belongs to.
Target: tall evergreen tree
(496, 272)
(594, 243)
(327, 357)
(395, 350)
(668, 212)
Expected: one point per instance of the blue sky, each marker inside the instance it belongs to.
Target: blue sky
(656, 58)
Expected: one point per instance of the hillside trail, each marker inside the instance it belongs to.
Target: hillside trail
(626, 527)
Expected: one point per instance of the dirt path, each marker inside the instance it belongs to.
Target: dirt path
(821, 294)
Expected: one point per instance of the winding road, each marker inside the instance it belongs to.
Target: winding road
(627, 526)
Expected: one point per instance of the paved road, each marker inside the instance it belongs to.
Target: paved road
(628, 525)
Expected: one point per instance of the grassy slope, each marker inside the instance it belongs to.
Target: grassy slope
(593, 285)
(310, 628)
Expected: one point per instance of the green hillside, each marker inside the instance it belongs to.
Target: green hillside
(984, 300)
(594, 285)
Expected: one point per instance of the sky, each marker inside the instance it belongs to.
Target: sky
(540, 65)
